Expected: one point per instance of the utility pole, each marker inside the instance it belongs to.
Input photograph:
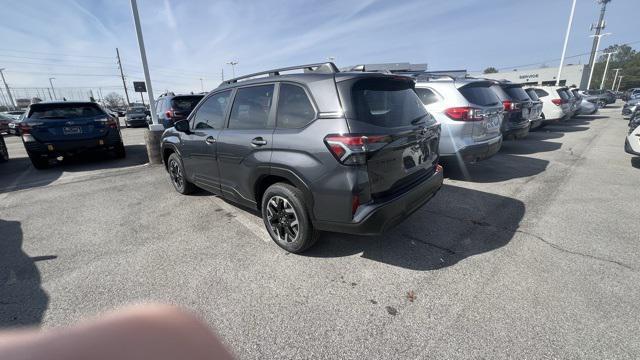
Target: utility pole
(52, 89)
(124, 83)
(566, 41)
(233, 67)
(222, 73)
(598, 27)
(143, 57)
(13, 105)
(619, 82)
(201, 85)
(599, 36)
(49, 91)
(615, 78)
(606, 67)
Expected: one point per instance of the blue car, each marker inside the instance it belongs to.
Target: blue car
(53, 129)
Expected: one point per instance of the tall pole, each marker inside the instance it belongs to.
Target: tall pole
(615, 78)
(143, 56)
(201, 85)
(49, 91)
(233, 68)
(566, 41)
(13, 105)
(124, 83)
(593, 67)
(606, 67)
(52, 89)
(598, 27)
(619, 82)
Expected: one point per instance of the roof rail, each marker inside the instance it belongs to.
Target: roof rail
(326, 67)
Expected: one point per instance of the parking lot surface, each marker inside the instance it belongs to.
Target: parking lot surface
(534, 253)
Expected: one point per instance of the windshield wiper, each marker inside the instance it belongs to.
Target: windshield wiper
(417, 120)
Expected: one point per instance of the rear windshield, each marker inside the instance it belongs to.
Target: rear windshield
(563, 94)
(64, 111)
(136, 111)
(382, 102)
(517, 93)
(480, 95)
(185, 103)
(532, 94)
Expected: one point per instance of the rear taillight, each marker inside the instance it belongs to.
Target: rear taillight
(351, 149)
(509, 105)
(355, 203)
(108, 121)
(169, 113)
(26, 127)
(557, 101)
(464, 114)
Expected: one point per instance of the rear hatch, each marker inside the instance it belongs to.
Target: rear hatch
(488, 109)
(402, 147)
(567, 105)
(183, 105)
(520, 98)
(536, 109)
(137, 114)
(66, 121)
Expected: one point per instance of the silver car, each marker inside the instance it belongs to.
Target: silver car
(470, 115)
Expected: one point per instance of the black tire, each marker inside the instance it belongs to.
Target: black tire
(120, 152)
(278, 218)
(38, 161)
(126, 124)
(4, 153)
(177, 175)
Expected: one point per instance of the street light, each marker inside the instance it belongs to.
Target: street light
(52, 89)
(7, 88)
(593, 66)
(201, 85)
(619, 82)
(233, 67)
(606, 67)
(615, 78)
(566, 40)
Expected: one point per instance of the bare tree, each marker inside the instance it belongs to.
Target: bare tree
(113, 100)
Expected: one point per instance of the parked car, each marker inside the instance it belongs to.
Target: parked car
(171, 108)
(535, 115)
(14, 126)
(584, 107)
(517, 106)
(53, 129)
(629, 108)
(632, 142)
(4, 123)
(4, 127)
(573, 102)
(600, 97)
(555, 103)
(469, 113)
(351, 152)
(15, 114)
(136, 116)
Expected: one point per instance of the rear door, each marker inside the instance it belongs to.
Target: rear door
(53, 122)
(480, 96)
(246, 143)
(181, 106)
(406, 147)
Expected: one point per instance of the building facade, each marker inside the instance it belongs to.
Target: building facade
(577, 75)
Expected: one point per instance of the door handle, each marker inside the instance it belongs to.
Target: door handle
(210, 140)
(258, 141)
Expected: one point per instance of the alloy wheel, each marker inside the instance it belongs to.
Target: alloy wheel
(175, 172)
(283, 219)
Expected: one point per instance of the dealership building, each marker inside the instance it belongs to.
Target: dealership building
(577, 75)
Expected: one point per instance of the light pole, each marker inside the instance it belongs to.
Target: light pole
(593, 66)
(606, 67)
(201, 85)
(233, 67)
(13, 105)
(619, 82)
(566, 41)
(52, 89)
(615, 78)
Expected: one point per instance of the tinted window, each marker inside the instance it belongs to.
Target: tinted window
(541, 93)
(563, 94)
(517, 93)
(251, 108)
(185, 103)
(64, 111)
(480, 95)
(136, 110)
(498, 91)
(426, 96)
(210, 115)
(294, 107)
(382, 102)
(532, 94)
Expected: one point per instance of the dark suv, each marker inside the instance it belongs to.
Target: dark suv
(171, 108)
(517, 107)
(326, 150)
(52, 129)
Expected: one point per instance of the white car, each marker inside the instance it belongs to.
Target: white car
(632, 143)
(555, 102)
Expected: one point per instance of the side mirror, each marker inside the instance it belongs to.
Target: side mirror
(182, 126)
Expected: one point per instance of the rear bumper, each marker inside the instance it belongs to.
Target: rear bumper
(476, 152)
(107, 142)
(628, 149)
(373, 219)
(137, 122)
(517, 132)
(535, 123)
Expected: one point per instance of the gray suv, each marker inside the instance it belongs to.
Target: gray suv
(321, 150)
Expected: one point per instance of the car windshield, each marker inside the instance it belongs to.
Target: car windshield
(563, 94)
(532, 94)
(136, 111)
(185, 103)
(64, 111)
(480, 95)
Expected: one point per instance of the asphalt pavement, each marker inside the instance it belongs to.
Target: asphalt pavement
(531, 254)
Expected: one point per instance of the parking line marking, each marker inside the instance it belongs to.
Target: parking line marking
(243, 218)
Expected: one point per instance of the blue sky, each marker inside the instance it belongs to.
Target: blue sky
(187, 40)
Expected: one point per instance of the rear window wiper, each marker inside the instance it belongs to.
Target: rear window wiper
(417, 120)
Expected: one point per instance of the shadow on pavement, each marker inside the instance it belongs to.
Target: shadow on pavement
(18, 173)
(501, 167)
(22, 300)
(635, 162)
(456, 224)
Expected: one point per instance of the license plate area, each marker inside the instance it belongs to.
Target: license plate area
(72, 130)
